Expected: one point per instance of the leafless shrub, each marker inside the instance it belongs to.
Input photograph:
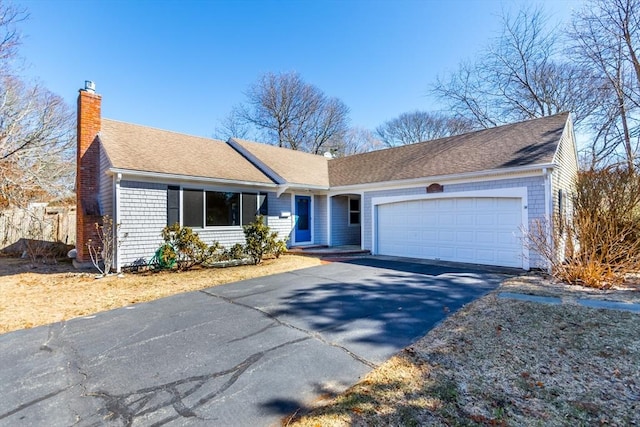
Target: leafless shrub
(102, 252)
(36, 247)
(602, 235)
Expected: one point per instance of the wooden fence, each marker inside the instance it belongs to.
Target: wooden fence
(38, 222)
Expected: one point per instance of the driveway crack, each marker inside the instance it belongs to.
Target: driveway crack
(313, 334)
(127, 407)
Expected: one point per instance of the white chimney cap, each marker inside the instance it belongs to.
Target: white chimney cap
(89, 86)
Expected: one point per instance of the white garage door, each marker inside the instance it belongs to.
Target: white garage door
(474, 230)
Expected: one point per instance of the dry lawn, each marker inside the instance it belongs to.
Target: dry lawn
(503, 362)
(37, 295)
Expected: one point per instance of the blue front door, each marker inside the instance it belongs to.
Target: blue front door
(303, 219)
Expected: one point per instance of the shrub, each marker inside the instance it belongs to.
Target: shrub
(102, 252)
(183, 247)
(235, 252)
(602, 234)
(261, 241)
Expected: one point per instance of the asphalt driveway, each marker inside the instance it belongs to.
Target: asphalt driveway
(246, 353)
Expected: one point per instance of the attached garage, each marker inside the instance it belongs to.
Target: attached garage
(479, 230)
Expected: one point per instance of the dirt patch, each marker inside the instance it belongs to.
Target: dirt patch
(42, 294)
(507, 362)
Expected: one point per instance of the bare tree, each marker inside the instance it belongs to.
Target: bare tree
(233, 126)
(36, 128)
(294, 114)
(418, 126)
(10, 38)
(606, 39)
(356, 140)
(520, 76)
(36, 143)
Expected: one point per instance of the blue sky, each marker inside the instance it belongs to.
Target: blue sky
(182, 65)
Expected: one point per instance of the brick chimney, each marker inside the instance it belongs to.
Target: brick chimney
(88, 169)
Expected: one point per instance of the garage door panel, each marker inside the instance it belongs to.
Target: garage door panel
(465, 254)
(429, 235)
(446, 237)
(464, 236)
(429, 219)
(508, 218)
(485, 219)
(466, 204)
(485, 203)
(477, 230)
(446, 253)
(485, 237)
(486, 256)
(446, 204)
(465, 220)
(445, 220)
(507, 238)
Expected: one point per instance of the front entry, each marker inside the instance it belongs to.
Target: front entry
(303, 219)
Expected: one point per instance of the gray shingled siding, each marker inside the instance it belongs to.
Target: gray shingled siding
(143, 215)
(278, 205)
(106, 185)
(341, 232)
(320, 220)
(535, 208)
(226, 236)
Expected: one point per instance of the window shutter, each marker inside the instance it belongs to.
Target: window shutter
(173, 205)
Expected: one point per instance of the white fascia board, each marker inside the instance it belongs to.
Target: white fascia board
(518, 172)
(256, 162)
(165, 177)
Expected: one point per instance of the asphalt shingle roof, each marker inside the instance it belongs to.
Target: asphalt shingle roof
(146, 149)
(142, 148)
(518, 144)
(296, 167)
